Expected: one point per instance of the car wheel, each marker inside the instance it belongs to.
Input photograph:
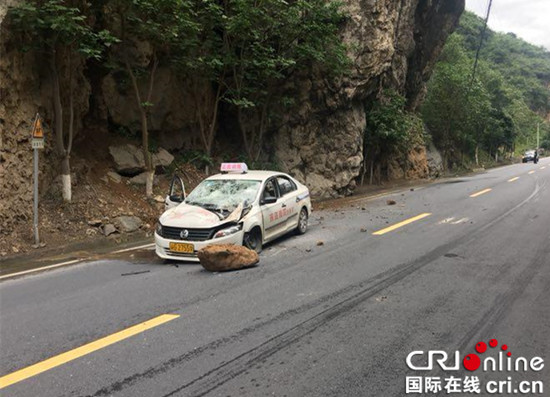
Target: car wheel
(253, 240)
(302, 222)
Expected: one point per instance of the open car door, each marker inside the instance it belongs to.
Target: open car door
(176, 195)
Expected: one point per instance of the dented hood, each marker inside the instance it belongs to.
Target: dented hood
(191, 216)
(185, 215)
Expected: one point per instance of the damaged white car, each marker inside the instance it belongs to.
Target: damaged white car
(238, 206)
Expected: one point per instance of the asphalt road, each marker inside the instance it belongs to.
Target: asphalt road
(337, 319)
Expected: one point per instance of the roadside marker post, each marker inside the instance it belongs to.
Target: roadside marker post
(37, 143)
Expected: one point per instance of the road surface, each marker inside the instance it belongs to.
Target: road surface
(335, 312)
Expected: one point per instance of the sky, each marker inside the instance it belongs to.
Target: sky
(529, 20)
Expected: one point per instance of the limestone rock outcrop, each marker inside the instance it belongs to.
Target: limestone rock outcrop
(394, 44)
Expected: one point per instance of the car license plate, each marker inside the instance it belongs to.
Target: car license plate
(182, 247)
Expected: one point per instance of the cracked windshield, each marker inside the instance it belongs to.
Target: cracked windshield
(224, 194)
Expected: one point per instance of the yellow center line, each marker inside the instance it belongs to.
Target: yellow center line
(401, 224)
(71, 355)
(531, 172)
(513, 179)
(480, 193)
(542, 168)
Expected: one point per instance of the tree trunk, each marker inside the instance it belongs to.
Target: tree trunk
(364, 170)
(149, 169)
(144, 126)
(477, 155)
(150, 177)
(66, 179)
(260, 133)
(244, 131)
(65, 164)
(59, 132)
(371, 172)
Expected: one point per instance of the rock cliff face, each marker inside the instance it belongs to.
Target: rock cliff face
(394, 43)
(25, 89)
(20, 98)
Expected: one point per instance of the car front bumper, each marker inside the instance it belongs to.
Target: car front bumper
(162, 246)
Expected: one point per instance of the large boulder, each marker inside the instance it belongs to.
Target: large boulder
(223, 257)
(162, 158)
(129, 159)
(127, 224)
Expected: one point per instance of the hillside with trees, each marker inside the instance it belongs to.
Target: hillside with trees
(494, 113)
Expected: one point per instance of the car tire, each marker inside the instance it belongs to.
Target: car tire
(253, 240)
(302, 222)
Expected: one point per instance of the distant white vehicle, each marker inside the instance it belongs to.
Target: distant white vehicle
(238, 206)
(530, 155)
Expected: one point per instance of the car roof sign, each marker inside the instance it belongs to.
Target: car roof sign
(241, 168)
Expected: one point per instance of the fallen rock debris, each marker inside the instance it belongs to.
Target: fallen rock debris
(224, 257)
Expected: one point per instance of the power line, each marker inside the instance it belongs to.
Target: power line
(481, 40)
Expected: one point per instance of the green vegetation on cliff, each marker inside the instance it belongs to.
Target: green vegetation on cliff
(495, 112)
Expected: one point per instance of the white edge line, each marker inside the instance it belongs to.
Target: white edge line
(380, 195)
(134, 248)
(68, 262)
(40, 269)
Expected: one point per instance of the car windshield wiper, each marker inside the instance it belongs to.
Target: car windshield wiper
(195, 203)
(210, 207)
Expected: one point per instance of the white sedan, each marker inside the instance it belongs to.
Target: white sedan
(238, 206)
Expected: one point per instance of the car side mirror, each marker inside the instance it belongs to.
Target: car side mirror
(176, 198)
(269, 200)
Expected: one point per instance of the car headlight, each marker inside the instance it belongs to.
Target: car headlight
(229, 231)
(158, 229)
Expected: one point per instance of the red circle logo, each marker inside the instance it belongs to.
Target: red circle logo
(481, 347)
(471, 362)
